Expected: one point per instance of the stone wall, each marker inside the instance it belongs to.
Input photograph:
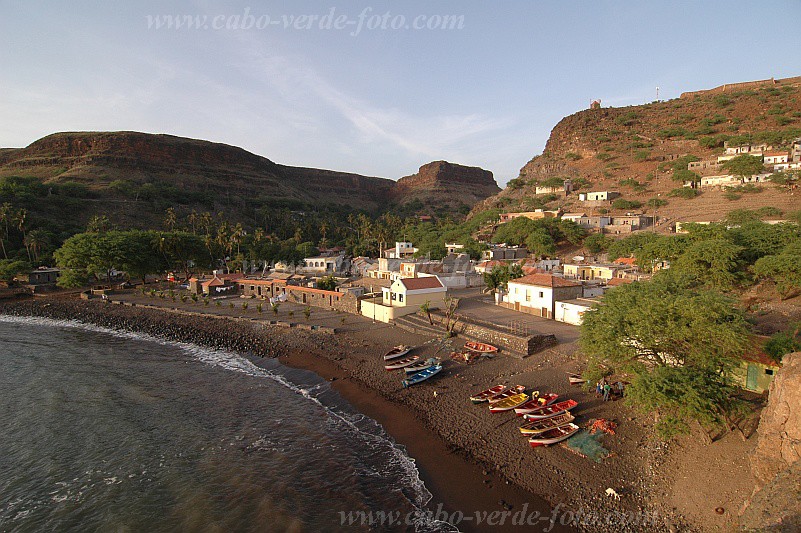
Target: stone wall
(523, 345)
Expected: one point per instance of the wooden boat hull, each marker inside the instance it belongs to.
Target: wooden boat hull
(535, 427)
(480, 347)
(549, 411)
(575, 379)
(509, 403)
(397, 351)
(553, 436)
(505, 394)
(536, 403)
(485, 395)
(397, 364)
(421, 376)
(421, 365)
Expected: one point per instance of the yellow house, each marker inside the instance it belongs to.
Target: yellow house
(755, 372)
(404, 297)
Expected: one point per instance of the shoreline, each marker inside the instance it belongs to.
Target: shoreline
(470, 460)
(457, 483)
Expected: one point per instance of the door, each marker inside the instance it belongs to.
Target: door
(544, 313)
(517, 306)
(751, 378)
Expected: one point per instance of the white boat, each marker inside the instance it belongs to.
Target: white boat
(397, 351)
(395, 364)
(552, 436)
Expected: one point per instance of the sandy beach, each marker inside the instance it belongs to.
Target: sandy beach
(471, 460)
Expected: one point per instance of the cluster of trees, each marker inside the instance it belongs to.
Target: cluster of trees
(541, 237)
(679, 341)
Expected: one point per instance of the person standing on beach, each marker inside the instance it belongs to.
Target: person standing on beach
(607, 390)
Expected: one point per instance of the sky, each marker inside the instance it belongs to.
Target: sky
(376, 88)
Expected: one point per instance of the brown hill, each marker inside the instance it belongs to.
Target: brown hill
(434, 185)
(132, 177)
(633, 150)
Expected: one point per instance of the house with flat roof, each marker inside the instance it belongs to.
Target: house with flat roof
(572, 311)
(598, 196)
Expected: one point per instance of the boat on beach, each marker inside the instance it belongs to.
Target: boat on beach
(397, 351)
(421, 365)
(423, 375)
(480, 347)
(575, 379)
(535, 427)
(535, 402)
(509, 403)
(511, 391)
(396, 364)
(552, 436)
(485, 395)
(547, 411)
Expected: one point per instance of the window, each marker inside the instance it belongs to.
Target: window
(400, 297)
(528, 296)
(392, 295)
(769, 371)
(540, 294)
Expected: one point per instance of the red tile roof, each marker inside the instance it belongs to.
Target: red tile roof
(775, 153)
(545, 280)
(614, 282)
(625, 260)
(755, 352)
(429, 282)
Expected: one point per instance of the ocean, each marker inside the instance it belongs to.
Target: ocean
(107, 431)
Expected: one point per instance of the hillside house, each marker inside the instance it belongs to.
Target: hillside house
(584, 271)
(360, 265)
(402, 250)
(757, 369)
(598, 196)
(454, 248)
(750, 149)
(537, 214)
(708, 165)
(537, 293)
(628, 223)
(572, 311)
(324, 264)
(775, 157)
(387, 269)
(795, 151)
(499, 252)
(589, 222)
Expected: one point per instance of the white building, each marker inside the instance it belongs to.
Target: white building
(323, 264)
(572, 311)
(402, 250)
(774, 158)
(536, 293)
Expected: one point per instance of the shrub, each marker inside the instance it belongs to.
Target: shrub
(572, 156)
(684, 192)
(641, 155)
(783, 121)
(307, 312)
(731, 195)
(516, 183)
(603, 156)
(672, 132)
(621, 203)
(244, 306)
(656, 203)
(721, 100)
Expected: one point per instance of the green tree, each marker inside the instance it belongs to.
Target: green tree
(784, 269)
(744, 165)
(10, 268)
(784, 342)
(678, 344)
(596, 243)
(711, 262)
(327, 283)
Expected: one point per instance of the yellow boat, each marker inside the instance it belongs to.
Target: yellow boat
(507, 404)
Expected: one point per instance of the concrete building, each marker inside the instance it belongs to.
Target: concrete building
(536, 293)
(572, 311)
(537, 214)
(775, 157)
(499, 252)
(324, 264)
(402, 250)
(405, 296)
(598, 196)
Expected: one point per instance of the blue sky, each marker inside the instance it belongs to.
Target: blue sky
(376, 101)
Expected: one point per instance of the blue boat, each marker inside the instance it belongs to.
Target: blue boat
(423, 375)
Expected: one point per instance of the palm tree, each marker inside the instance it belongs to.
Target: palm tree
(34, 242)
(170, 219)
(22, 214)
(5, 215)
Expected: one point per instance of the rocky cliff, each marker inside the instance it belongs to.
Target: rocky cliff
(776, 503)
(435, 183)
(121, 168)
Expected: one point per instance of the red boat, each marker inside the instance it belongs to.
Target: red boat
(536, 402)
(547, 411)
(552, 436)
(480, 347)
(485, 395)
(505, 394)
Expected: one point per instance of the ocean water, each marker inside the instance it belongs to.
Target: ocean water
(102, 431)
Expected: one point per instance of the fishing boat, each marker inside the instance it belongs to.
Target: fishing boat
(575, 379)
(397, 351)
(511, 391)
(547, 411)
(395, 364)
(535, 402)
(535, 427)
(485, 395)
(552, 436)
(509, 403)
(480, 347)
(423, 375)
(421, 365)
